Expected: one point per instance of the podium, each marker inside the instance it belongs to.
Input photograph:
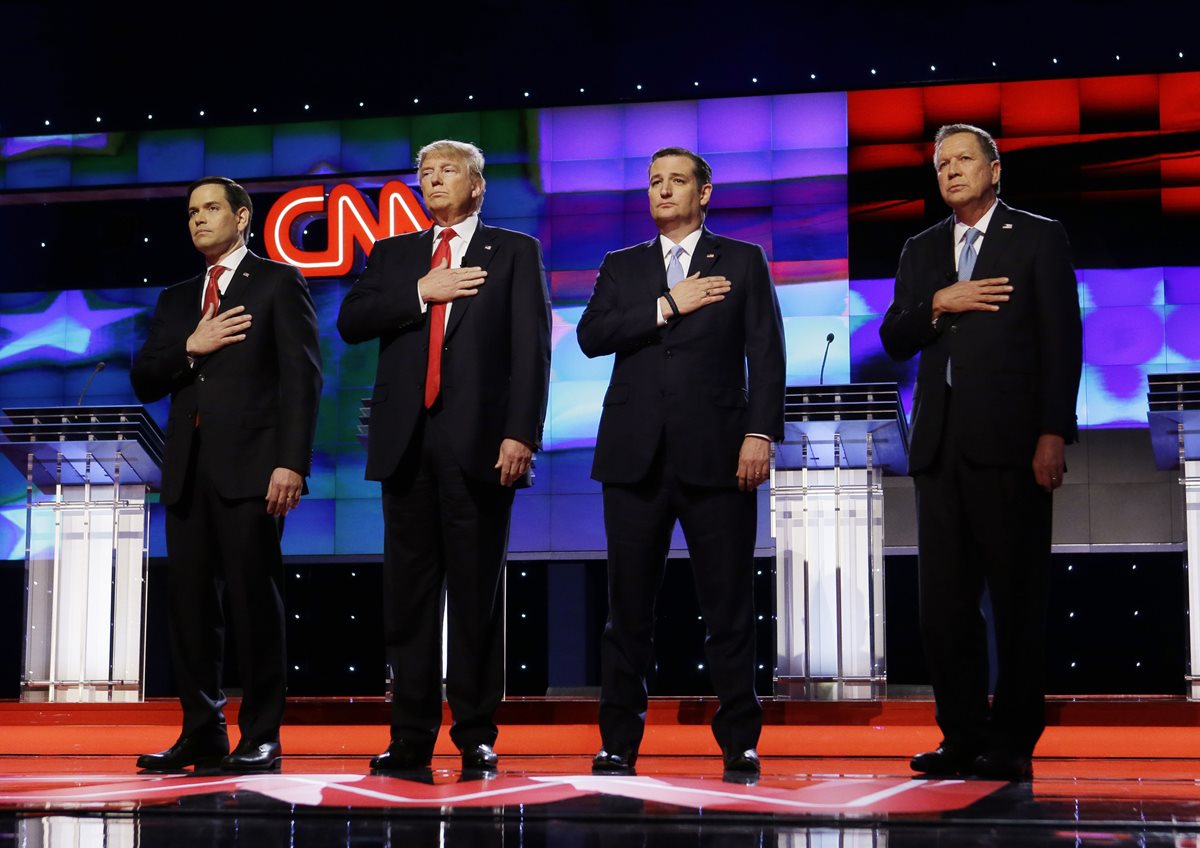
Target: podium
(827, 506)
(1174, 421)
(87, 471)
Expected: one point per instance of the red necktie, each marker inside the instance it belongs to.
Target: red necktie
(437, 324)
(212, 293)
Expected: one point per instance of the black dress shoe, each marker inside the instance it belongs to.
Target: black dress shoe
(187, 751)
(742, 762)
(249, 757)
(946, 761)
(1004, 765)
(479, 758)
(402, 755)
(610, 763)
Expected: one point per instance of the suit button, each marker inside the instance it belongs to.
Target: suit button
(668, 353)
(954, 329)
(201, 378)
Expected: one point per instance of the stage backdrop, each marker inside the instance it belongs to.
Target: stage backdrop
(830, 184)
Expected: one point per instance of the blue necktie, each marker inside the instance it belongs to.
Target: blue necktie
(674, 267)
(966, 266)
(968, 255)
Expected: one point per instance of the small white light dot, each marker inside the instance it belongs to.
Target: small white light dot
(522, 573)
(522, 666)
(416, 100)
(696, 83)
(581, 91)
(353, 573)
(759, 571)
(639, 86)
(97, 119)
(1135, 612)
(47, 123)
(43, 244)
(150, 117)
(1072, 665)
(145, 239)
(295, 668)
(470, 96)
(760, 618)
(255, 110)
(1135, 566)
(812, 76)
(933, 67)
(1070, 567)
(145, 279)
(361, 104)
(1180, 54)
(527, 94)
(753, 79)
(760, 666)
(700, 667)
(305, 107)
(993, 64)
(1118, 57)
(1072, 615)
(1055, 61)
(296, 616)
(1138, 664)
(352, 668)
(522, 615)
(202, 113)
(297, 575)
(872, 72)
(352, 618)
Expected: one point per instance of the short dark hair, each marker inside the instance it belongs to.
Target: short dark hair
(237, 196)
(986, 143)
(702, 169)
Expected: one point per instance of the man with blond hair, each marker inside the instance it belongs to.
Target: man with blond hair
(462, 316)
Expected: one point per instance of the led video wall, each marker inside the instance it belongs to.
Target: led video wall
(829, 184)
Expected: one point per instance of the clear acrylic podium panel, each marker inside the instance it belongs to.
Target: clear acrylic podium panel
(86, 558)
(829, 579)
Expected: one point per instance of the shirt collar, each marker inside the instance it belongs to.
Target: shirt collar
(688, 243)
(960, 229)
(463, 229)
(232, 260)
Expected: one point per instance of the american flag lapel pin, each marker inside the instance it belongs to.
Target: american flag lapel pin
(1007, 227)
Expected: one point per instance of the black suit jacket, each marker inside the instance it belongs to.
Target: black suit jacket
(1015, 372)
(495, 359)
(705, 379)
(257, 399)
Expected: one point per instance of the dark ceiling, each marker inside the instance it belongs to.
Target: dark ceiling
(123, 63)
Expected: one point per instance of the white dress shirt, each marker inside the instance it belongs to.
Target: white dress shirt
(463, 232)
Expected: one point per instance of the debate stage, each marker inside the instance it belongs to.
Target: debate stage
(1108, 771)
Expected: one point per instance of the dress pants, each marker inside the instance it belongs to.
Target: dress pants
(224, 562)
(445, 543)
(976, 526)
(719, 525)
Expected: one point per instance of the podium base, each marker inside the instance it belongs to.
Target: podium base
(87, 692)
(831, 689)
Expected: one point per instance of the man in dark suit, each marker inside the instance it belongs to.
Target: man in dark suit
(988, 298)
(462, 316)
(237, 349)
(685, 437)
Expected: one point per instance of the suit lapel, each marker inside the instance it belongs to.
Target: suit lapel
(708, 251)
(235, 292)
(996, 243)
(946, 255)
(479, 254)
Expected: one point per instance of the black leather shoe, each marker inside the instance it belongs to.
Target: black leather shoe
(248, 757)
(479, 758)
(1004, 765)
(946, 760)
(202, 753)
(609, 763)
(742, 762)
(402, 755)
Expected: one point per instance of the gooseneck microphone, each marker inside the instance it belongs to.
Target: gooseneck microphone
(99, 367)
(828, 342)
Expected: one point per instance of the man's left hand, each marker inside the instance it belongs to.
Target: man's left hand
(1048, 462)
(754, 463)
(283, 492)
(513, 462)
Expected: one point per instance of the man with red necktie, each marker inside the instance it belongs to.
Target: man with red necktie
(237, 350)
(462, 315)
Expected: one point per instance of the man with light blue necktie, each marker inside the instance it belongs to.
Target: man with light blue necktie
(989, 300)
(695, 400)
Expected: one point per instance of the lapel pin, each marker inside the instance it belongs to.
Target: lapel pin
(245, 273)
(487, 247)
(711, 256)
(1007, 227)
